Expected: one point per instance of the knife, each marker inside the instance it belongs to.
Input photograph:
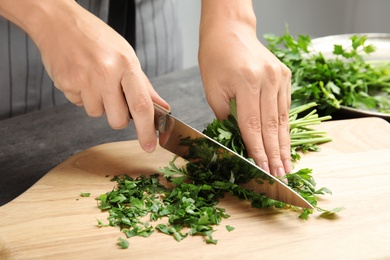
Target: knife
(172, 131)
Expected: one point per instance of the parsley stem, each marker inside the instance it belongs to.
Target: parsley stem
(318, 140)
(306, 133)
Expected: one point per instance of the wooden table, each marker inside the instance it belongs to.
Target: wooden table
(51, 220)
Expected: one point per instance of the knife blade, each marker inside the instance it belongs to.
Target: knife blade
(171, 133)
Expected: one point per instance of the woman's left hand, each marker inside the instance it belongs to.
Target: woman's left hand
(234, 64)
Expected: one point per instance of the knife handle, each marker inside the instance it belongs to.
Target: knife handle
(161, 118)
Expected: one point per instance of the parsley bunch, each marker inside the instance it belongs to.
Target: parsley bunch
(208, 164)
(346, 79)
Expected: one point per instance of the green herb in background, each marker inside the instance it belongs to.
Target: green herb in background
(345, 79)
(190, 205)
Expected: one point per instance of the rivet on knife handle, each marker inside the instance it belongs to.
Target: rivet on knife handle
(161, 121)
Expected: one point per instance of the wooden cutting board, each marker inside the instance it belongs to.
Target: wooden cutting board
(52, 221)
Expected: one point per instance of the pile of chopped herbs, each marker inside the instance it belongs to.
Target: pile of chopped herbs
(347, 78)
(188, 206)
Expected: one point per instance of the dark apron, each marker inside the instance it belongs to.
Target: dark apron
(121, 17)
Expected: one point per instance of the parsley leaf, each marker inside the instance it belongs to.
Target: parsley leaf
(123, 243)
(229, 228)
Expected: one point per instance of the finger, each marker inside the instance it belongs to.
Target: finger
(270, 131)
(219, 102)
(74, 98)
(220, 107)
(115, 105)
(93, 104)
(283, 132)
(136, 91)
(284, 101)
(248, 113)
(155, 96)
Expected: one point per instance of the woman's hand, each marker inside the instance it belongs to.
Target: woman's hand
(92, 65)
(234, 64)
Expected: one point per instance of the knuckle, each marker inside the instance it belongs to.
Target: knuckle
(273, 155)
(283, 119)
(286, 72)
(277, 72)
(94, 110)
(254, 123)
(251, 75)
(271, 126)
(64, 85)
(119, 123)
(128, 62)
(258, 153)
(271, 71)
(95, 113)
(142, 105)
(285, 148)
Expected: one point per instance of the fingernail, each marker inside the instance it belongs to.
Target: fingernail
(265, 167)
(287, 165)
(149, 147)
(280, 172)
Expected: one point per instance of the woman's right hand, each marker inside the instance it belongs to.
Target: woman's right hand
(93, 66)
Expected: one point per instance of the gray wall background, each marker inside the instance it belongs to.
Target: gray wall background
(313, 17)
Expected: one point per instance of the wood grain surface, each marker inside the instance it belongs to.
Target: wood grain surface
(52, 221)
